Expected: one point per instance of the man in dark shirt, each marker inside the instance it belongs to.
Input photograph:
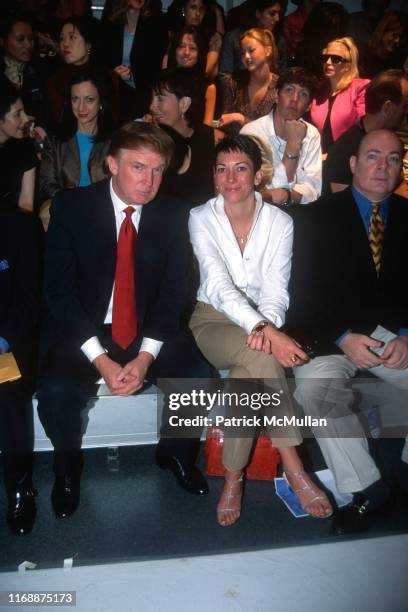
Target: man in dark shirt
(386, 105)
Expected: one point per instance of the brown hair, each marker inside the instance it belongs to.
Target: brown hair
(392, 20)
(139, 135)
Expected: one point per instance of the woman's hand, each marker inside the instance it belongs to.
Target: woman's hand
(285, 349)
(230, 117)
(124, 72)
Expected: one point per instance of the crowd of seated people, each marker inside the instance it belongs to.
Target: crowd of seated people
(144, 136)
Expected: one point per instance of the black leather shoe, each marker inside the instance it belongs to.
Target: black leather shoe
(65, 496)
(356, 517)
(21, 510)
(350, 519)
(189, 478)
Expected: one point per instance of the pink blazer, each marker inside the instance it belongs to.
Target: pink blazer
(348, 108)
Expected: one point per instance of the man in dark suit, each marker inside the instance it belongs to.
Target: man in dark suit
(117, 281)
(20, 299)
(349, 302)
(386, 104)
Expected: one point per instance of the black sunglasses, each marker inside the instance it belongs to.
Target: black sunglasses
(336, 59)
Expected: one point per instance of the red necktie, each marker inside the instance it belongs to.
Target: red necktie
(124, 317)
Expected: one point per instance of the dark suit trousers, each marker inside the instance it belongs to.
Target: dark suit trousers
(16, 432)
(68, 380)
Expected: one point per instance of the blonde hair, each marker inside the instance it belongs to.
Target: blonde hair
(266, 39)
(353, 73)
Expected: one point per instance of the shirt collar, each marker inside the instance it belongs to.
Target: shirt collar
(118, 204)
(365, 206)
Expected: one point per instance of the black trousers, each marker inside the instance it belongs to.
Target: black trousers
(68, 379)
(16, 432)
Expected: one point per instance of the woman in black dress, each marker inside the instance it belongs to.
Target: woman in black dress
(18, 161)
(178, 102)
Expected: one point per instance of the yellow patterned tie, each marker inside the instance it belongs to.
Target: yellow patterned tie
(376, 236)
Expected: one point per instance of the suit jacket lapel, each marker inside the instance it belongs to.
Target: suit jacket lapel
(105, 243)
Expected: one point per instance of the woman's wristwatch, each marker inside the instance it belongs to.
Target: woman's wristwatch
(260, 326)
(288, 197)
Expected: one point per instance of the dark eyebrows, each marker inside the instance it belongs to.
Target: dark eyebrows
(238, 163)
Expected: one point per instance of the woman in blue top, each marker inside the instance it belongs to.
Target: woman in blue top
(76, 156)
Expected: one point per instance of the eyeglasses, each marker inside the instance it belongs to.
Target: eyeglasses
(336, 59)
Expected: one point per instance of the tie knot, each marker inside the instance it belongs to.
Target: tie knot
(129, 212)
(376, 209)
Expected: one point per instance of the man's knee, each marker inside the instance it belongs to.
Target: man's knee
(58, 393)
(324, 397)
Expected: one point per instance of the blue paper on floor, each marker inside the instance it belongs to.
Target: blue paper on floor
(289, 498)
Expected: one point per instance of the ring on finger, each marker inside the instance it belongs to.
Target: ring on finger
(294, 358)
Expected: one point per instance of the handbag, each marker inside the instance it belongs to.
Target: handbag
(264, 460)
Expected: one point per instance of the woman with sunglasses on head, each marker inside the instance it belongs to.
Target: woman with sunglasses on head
(251, 94)
(341, 102)
(244, 248)
(76, 156)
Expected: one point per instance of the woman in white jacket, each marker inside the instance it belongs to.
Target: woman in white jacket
(244, 248)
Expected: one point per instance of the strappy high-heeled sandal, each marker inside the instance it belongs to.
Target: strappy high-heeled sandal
(311, 489)
(225, 505)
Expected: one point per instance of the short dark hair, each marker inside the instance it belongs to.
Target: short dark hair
(140, 135)
(86, 26)
(184, 82)
(262, 5)
(298, 76)
(385, 86)
(8, 96)
(9, 21)
(243, 144)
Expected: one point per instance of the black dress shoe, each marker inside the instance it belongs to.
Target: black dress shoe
(65, 496)
(350, 519)
(189, 477)
(21, 510)
(356, 517)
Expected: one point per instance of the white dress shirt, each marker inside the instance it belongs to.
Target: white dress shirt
(308, 176)
(92, 347)
(251, 286)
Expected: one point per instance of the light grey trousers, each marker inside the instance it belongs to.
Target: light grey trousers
(322, 387)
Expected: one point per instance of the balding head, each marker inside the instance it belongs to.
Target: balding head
(386, 99)
(377, 166)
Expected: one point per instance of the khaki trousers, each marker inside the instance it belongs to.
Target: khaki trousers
(223, 343)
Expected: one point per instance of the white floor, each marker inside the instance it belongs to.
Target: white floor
(358, 576)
